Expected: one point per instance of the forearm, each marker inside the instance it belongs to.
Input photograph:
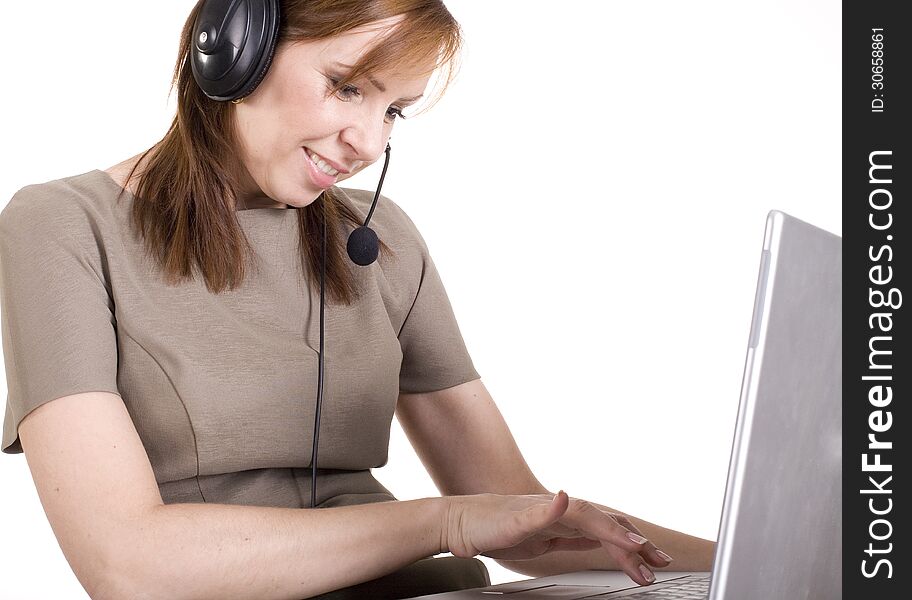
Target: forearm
(690, 553)
(206, 551)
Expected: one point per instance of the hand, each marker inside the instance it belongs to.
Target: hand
(523, 527)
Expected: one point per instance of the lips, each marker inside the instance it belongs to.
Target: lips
(329, 162)
(318, 177)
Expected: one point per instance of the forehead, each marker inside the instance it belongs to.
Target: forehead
(360, 40)
(343, 51)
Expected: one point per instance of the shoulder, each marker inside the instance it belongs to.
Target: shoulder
(405, 268)
(59, 220)
(77, 203)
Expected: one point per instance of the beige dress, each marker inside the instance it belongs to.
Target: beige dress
(222, 387)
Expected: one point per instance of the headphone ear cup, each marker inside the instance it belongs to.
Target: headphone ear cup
(233, 45)
(260, 73)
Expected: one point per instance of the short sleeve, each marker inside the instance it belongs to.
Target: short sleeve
(434, 354)
(56, 309)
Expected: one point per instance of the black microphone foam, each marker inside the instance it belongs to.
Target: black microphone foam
(363, 246)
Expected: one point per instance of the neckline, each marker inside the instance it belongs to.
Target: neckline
(260, 210)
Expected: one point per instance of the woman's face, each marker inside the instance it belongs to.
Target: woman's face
(291, 115)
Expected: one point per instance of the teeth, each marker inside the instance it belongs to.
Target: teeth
(321, 164)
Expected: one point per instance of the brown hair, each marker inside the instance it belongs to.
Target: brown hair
(184, 217)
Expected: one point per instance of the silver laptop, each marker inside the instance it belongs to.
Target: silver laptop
(780, 535)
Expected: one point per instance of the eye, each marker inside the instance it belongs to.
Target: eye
(394, 113)
(347, 92)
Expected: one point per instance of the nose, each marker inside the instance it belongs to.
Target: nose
(366, 135)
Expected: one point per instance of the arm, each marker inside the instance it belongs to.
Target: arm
(100, 495)
(474, 452)
(464, 442)
(222, 551)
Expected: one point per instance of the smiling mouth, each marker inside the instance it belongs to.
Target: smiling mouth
(322, 164)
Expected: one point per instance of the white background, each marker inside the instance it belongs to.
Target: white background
(593, 189)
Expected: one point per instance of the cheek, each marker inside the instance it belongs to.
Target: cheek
(306, 113)
(295, 116)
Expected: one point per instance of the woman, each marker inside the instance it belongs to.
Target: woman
(155, 381)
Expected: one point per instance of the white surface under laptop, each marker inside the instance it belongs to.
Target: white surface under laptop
(780, 535)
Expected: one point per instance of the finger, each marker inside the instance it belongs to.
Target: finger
(632, 564)
(649, 552)
(533, 521)
(557, 507)
(594, 523)
(540, 516)
(557, 529)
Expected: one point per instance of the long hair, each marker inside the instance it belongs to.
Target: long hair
(186, 191)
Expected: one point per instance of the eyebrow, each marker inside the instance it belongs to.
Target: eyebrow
(379, 85)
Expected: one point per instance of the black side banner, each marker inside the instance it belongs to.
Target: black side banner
(877, 367)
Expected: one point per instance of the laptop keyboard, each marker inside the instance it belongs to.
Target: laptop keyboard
(689, 588)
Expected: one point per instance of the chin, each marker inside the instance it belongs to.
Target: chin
(306, 195)
(299, 204)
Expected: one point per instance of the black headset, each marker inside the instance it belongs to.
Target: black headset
(233, 45)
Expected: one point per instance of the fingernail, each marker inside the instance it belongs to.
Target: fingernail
(647, 573)
(663, 555)
(636, 538)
